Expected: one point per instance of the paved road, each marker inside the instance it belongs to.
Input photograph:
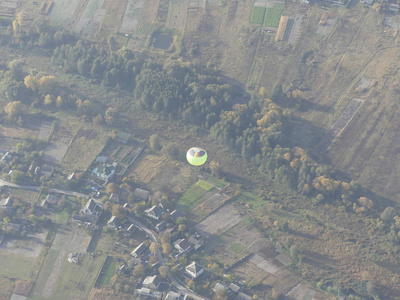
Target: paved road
(161, 259)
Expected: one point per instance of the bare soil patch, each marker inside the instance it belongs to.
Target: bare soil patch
(29, 246)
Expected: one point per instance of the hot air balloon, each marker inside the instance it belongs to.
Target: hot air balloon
(196, 156)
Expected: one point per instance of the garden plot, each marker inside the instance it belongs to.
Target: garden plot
(9, 4)
(295, 29)
(91, 17)
(71, 239)
(300, 291)
(220, 221)
(326, 28)
(269, 266)
(130, 22)
(45, 130)
(177, 14)
(343, 120)
(63, 10)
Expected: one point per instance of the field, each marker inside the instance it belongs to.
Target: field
(7, 286)
(15, 266)
(63, 216)
(273, 15)
(109, 273)
(257, 15)
(195, 193)
(251, 200)
(62, 9)
(83, 149)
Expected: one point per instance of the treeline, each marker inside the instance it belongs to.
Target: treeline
(192, 92)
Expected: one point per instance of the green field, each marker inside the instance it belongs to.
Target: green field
(195, 193)
(109, 273)
(253, 200)
(61, 10)
(15, 266)
(77, 280)
(236, 247)
(273, 15)
(63, 216)
(257, 15)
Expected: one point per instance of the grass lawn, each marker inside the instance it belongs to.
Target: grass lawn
(15, 266)
(77, 280)
(63, 216)
(194, 194)
(253, 200)
(257, 15)
(236, 247)
(273, 15)
(109, 273)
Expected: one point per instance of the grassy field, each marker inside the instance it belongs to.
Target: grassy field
(15, 266)
(109, 273)
(63, 216)
(62, 9)
(86, 145)
(194, 194)
(273, 15)
(236, 247)
(254, 201)
(77, 280)
(45, 270)
(257, 15)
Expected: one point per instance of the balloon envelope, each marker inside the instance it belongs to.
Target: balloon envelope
(196, 156)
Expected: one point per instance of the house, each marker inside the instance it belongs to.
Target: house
(152, 282)
(219, 287)
(141, 195)
(148, 293)
(131, 229)
(102, 159)
(104, 172)
(114, 198)
(92, 207)
(394, 7)
(154, 212)
(368, 2)
(182, 245)
(47, 171)
(235, 288)
(194, 270)
(243, 296)
(114, 222)
(174, 215)
(161, 226)
(73, 258)
(6, 203)
(51, 199)
(6, 157)
(139, 250)
(197, 243)
(172, 296)
(135, 261)
(123, 137)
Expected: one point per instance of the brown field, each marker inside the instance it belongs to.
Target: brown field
(177, 14)
(88, 142)
(10, 134)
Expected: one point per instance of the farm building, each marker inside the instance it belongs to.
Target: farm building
(114, 222)
(172, 296)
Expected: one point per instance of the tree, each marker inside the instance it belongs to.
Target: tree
(153, 248)
(215, 168)
(47, 85)
(166, 238)
(388, 214)
(14, 109)
(163, 271)
(59, 101)
(154, 142)
(182, 228)
(110, 116)
(167, 248)
(112, 42)
(111, 188)
(48, 100)
(31, 83)
(18, 177)
(118, 211)
(33, 219)
(139, 271)
(295, 252)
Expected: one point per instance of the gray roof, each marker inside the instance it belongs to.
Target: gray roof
(6, 202)
(155, 211)
(142, 194)
(139, 249)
